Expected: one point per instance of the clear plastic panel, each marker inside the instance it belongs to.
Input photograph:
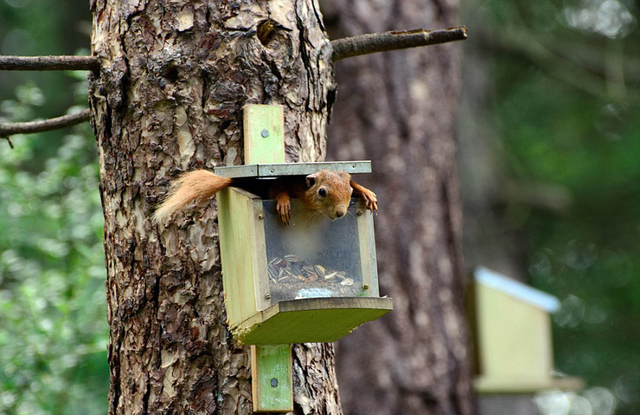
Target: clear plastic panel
(313, 256)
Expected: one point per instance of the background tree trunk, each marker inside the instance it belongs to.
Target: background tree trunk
(169, 98)
(398, 109)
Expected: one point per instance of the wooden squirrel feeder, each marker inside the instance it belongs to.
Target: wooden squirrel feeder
(513, 339)
(313, 280)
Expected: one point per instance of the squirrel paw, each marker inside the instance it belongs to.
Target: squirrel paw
(284, 210)
(370, 200)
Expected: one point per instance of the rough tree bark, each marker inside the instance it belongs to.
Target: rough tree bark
(174, 78)
(398, 109)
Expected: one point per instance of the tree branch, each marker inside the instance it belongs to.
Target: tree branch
(342, 48)
(49, 63)
(10, 128)
(381, 42)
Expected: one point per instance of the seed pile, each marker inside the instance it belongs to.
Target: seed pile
(289, 274)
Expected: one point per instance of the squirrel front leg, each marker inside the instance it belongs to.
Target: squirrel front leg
(283, 206)
(370, 198)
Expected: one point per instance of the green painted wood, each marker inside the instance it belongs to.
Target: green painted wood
(271, 365)
(311, 320)
(263, 134)
(239, 248)
(509, 326)
(272, 381)
(261, 276)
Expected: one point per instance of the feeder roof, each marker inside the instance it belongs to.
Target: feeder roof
(513, 288)
(292, 169)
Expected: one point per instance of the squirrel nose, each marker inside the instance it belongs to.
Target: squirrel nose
(340, 213)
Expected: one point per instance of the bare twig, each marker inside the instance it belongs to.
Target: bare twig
(10, 128)
(381, 42)
(49, 63)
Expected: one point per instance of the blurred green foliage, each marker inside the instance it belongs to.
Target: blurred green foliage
(53, 322)
(565, 104)
(53, 329)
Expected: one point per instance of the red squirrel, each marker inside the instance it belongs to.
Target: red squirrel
(327, 192)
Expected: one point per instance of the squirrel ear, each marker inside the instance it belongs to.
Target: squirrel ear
(311, 179)
(344, 174)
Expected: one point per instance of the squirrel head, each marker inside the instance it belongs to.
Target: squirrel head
(329, 192)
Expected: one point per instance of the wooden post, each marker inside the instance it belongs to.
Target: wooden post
(272, 378)
(271, 365)
(263, 134)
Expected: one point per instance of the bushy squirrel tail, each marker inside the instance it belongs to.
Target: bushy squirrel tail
(191, 186)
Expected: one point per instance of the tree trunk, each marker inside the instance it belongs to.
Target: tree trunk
(398, 109)
(169, 98)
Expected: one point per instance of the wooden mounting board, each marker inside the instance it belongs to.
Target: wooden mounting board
(263, 134)
(272, 378)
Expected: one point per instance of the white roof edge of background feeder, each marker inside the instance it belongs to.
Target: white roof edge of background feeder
(516, 289)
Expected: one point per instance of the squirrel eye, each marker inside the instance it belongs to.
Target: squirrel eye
(322, 192)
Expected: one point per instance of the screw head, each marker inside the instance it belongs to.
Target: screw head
(274, 382)
(261, 216)
(365, 286)
(264, 133)
(359, 213)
